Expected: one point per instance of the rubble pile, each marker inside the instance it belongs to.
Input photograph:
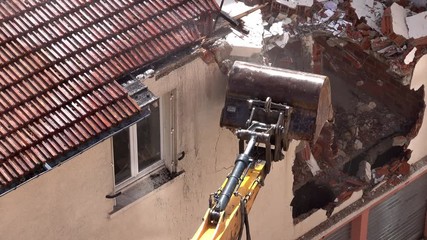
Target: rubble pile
(391, 32)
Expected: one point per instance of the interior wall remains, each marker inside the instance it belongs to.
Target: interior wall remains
(419, 142)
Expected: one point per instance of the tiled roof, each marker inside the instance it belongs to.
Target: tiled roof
(58, 65)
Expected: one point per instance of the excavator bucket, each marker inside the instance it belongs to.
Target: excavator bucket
(308, 94)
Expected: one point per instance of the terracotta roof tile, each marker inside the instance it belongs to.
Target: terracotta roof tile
(58, 64)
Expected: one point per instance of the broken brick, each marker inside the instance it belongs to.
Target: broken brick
(382, 171)
(394, 181)
(344, 196)
(366, 43)
(354, 182)
(393, 24)
(363, 26)
(207, 56)
(404, 169)
(394, 166)
(380, 43)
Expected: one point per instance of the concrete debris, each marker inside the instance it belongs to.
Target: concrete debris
(312, 164)
(276, 28)
(364, 172)
(400, 141)
(354, 131)
(358, 144)
(341, 153)
(248, 45)
(283, 40)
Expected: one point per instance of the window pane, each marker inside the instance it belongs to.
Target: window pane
(148, 131)
(121, 156)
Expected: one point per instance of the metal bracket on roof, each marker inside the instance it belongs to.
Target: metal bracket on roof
(47, 166)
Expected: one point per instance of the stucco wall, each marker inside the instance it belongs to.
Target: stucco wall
(69, 201)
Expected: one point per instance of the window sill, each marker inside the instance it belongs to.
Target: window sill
(146, 173)
(142, 189)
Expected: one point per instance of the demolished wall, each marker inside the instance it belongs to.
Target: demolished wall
(369, 61)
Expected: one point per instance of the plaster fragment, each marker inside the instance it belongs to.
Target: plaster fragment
(398, 16)
(358, 144)
(410, 57)
(417, 25)
(276, 28)
(281, 42)
(372, 14)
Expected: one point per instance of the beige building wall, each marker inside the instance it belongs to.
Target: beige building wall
(69, 201)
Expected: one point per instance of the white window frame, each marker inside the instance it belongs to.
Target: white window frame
(167, 105)
(168, 132)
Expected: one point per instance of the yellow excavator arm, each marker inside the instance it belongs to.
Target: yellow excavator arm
(231, 221)
(266, 107)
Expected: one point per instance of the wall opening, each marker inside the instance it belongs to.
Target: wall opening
(369, 129)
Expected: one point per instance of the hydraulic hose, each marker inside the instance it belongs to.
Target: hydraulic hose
(240, 165)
